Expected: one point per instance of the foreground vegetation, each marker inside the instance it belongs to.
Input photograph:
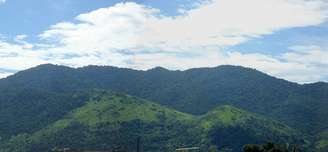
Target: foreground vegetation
(110, 119)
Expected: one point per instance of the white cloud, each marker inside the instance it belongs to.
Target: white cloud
(21, 37)
(218, 23)
(4, 75)
(304, 65)
(136, 36)
(107, 29)
(18, 57)
(293, 66)
(285, 66)
(311, 55)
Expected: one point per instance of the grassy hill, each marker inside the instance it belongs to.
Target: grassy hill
(240, 127)
(108, 120)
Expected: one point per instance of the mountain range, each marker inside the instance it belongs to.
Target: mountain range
(100, 107)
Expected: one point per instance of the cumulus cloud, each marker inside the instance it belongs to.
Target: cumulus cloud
(216, 23)
(295, 65)
(286, 66)
(4, 74)
(137, 36)
(18, 57)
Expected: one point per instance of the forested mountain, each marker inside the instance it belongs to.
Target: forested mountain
(109, 120)
(27, 110)
(193, 91)
(35, 98)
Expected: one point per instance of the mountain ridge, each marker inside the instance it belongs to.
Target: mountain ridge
(157, 68)
(195, 91)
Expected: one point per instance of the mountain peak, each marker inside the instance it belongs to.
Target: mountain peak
(158, 68)
(48, 65)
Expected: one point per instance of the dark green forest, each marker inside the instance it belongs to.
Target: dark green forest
(102, 107)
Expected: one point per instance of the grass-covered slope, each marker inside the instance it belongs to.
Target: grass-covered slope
(226, 125)
(111, 120)
(229, 116)
(108, 120)
(321, 144)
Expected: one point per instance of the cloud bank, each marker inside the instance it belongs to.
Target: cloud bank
(137, 36)
(216, 23)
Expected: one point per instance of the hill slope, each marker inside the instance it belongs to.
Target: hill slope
(28, 110)
(193, 91)
(239, 127)
(109, 120)
(40, 93)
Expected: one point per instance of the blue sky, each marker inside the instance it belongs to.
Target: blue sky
(34, 16)
(291, 43)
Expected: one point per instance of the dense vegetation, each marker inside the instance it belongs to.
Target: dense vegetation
(270, 147)
(108, 120)
(27, 110)
(44, 96)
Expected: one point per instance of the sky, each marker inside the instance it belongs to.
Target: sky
(285, 38)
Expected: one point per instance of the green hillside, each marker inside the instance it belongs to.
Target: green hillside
(194, 91)
(29, 110)
(240, 127)
(321, 143)
(110, 120)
